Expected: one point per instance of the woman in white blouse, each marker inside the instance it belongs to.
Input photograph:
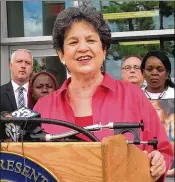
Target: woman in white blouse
(156, 69)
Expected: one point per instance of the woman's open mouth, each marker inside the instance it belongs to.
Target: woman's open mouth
(84, 59)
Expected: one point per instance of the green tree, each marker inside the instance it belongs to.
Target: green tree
(131, 24)
(39, 66)
(136, 24)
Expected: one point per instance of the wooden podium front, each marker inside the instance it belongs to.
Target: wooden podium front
(111, 160)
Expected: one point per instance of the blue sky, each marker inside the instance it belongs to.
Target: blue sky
(33, 22)
(33, 17)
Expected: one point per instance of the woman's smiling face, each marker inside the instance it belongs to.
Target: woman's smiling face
(83, 52)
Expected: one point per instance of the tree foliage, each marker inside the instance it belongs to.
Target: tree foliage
(137, 24)
(39, 65)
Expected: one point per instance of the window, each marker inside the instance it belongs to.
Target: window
(170, 50)
(52, 65)
(167, 14)
(138, 15)
(33, 18)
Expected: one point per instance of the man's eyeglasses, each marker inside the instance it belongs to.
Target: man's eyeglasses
(128, 67)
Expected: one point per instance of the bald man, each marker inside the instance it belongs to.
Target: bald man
(130, 70)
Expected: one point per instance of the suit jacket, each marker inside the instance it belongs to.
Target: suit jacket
(7, 102)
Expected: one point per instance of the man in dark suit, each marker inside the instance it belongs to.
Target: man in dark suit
(21, 66)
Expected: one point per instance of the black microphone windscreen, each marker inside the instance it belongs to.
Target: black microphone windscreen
(14, 130)
(25, 112)
(5, 114)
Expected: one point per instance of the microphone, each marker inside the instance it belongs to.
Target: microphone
(3, 114)
(13, 130)
(95, 127)
(9, 127)
(25, 112)
(6, 114)
(51, 137)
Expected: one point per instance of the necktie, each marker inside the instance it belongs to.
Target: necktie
(21, 102)
(16, 127)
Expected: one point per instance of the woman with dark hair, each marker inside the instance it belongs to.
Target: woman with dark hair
(41, 84)
(156, 69)
(81, 38)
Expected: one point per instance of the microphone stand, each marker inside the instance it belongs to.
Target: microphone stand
(21, 120)
(118, 127)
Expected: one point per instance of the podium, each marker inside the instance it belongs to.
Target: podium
(112, 160)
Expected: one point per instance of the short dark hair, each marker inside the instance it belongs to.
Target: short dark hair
(165, 61)
(65, 19)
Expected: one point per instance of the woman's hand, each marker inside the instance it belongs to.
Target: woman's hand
(171, 172)
(158, 165)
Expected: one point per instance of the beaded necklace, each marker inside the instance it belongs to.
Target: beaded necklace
(159, 97)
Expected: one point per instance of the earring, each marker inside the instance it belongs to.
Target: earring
(63, 62)
(168, 77)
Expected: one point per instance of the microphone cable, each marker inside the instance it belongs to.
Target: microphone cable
(22, 143)
(52, 121)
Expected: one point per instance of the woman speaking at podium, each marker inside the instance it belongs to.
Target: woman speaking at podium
(81, 38)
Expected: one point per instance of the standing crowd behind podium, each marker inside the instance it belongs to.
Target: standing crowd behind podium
(81, 37)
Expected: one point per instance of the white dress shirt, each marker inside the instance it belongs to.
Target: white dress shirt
(15, 89)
